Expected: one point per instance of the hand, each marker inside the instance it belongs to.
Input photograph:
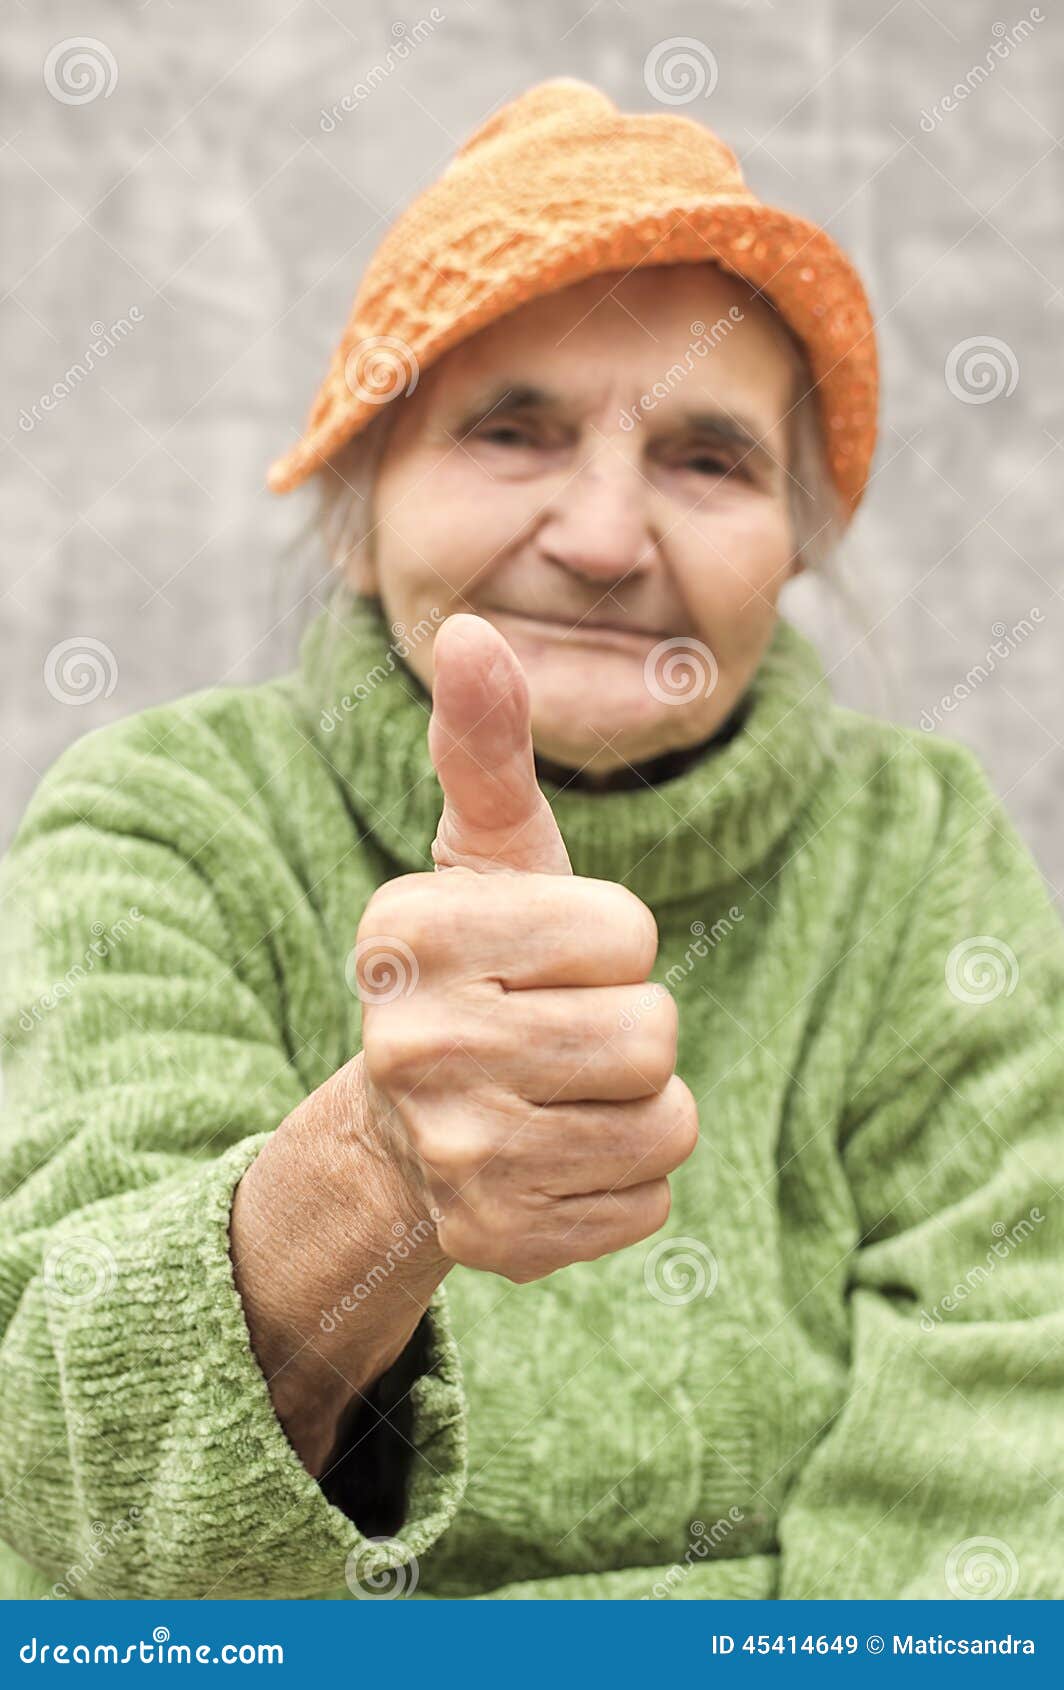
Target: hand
(509, 1056)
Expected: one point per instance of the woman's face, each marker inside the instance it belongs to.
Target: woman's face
(603, 475)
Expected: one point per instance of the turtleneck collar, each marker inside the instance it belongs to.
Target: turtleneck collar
(710, 825)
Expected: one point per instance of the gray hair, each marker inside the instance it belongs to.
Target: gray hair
(818, 516)
(345, 491)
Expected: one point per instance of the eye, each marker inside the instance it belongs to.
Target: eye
(708, 463)
(505, 434)
(703, 461)
(533, 437)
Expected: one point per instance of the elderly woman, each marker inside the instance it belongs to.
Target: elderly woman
(541, 1101)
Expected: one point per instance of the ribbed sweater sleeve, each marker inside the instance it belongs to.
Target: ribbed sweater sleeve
(147, 1014)
(746, 1578)
(943, 1476)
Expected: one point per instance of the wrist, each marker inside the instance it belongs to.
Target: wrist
(335, 1257)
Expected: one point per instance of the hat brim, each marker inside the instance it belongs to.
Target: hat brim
(794, 263)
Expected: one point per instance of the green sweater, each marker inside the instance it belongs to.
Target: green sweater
(836, 1371)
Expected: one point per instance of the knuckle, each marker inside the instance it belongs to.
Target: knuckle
(392, 902)
(653, 1056)
(401, 1049)
(650, 1212)
(688, 1126)
(457, 1152)
(641, 924)
(430, 914)
(391, 937)
(457, 1238)
(624, 913)
(436, 918)
(664, 1016)
(656, 1039)
(659, 1203)
(385, 1052)
(469, 1238)
(589, 1247)
(669, 1129)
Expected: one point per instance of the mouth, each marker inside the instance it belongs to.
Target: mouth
(601, 632)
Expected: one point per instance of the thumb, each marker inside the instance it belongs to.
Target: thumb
(480, 740)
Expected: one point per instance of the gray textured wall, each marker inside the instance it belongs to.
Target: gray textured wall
(201, 201)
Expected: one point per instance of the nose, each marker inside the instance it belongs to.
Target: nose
(597, 524)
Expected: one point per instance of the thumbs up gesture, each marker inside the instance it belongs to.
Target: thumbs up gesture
(522, 1081)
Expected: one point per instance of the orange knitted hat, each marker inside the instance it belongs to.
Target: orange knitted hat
(557, 186)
